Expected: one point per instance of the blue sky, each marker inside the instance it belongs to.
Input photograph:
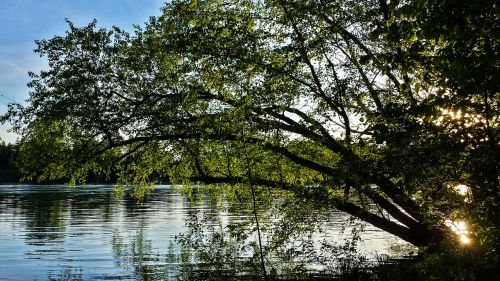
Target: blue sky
(23, 21)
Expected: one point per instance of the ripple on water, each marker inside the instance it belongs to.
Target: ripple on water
(84, 233)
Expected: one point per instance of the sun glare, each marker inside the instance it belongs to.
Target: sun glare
(460, 229)
(461, 189)
(464, 239)
(468, 119)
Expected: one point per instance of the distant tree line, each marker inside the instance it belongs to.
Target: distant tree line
(9, 170)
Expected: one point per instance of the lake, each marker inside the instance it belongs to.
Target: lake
(52, 232)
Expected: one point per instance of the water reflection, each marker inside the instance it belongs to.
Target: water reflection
(67, 273)
(138, 257)
(56, 233)
(46, 223)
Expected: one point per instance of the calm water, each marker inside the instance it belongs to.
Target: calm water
(57, 233)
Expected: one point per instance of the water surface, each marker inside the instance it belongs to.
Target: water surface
(84, 233)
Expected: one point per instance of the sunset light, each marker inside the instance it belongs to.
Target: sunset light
(460, 229)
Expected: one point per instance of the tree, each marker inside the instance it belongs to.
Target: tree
(369, 106)
(9, 172)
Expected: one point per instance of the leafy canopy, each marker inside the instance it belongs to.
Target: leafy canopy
(377, 108)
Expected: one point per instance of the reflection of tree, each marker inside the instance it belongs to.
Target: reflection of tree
(214, 253)
(187, 260)
(44, 217)
(138, 258)
(88, 202)
(225, 247)
(220, 242)
(67, 273)
(139, 208)
(48, 210)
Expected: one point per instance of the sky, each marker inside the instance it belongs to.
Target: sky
(24, 21)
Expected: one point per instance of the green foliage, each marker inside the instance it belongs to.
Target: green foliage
(9, 170)
(376, 108)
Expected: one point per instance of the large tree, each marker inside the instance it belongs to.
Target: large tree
(377, 108)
